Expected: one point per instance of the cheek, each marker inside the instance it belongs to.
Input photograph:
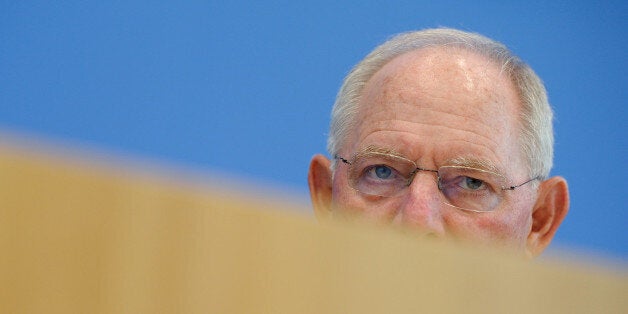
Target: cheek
(500, 228)
(507, 226)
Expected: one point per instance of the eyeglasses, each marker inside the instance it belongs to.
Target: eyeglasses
(466, 188)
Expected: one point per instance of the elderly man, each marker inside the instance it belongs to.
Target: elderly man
(449, 133)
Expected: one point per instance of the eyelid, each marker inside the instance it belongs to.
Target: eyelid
(397, 173)
(373, 166)
(494, 180)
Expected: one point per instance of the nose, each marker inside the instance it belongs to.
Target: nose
(422, 207)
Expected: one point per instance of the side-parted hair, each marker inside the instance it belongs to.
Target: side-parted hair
(536, 136)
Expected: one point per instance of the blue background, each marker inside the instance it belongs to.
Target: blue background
(246, 88)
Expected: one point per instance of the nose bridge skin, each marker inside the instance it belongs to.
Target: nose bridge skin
(422, 205)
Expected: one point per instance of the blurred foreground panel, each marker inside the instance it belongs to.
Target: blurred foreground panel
(78, 237)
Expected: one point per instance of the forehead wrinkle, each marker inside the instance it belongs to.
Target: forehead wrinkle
(381, 126)
(399, 115)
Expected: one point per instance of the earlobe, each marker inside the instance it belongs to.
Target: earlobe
(320, 183)
(549, 211)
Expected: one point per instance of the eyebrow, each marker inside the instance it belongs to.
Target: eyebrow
(377, 149)
(472, 162)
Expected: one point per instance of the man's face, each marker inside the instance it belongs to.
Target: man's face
(434, 106)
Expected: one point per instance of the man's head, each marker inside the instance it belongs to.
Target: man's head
(431, 130)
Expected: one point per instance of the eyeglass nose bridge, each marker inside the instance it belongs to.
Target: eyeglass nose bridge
(417, 169)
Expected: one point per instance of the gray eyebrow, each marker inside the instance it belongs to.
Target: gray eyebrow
(378, 149)
(477, 163)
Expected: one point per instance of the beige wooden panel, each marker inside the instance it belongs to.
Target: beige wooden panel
(77, 237)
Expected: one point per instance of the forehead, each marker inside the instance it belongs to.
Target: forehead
(442, 101)
(454, 74)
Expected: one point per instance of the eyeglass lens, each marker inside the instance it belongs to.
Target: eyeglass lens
(462, 187)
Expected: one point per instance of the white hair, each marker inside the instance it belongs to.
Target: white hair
(535, 115)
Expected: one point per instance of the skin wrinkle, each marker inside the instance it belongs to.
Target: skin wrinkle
(428, 109)
(435, 112)
(384, 126)
(486, 137)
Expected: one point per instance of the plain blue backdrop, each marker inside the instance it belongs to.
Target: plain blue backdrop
(246, 87)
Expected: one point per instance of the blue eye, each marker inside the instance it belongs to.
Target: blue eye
(472, 183)
(382, 172)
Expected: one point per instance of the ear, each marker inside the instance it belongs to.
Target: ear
(550, 209)
(319, 179)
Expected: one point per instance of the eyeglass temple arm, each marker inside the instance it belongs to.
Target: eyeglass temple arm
(516, 186)
(342, 159)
